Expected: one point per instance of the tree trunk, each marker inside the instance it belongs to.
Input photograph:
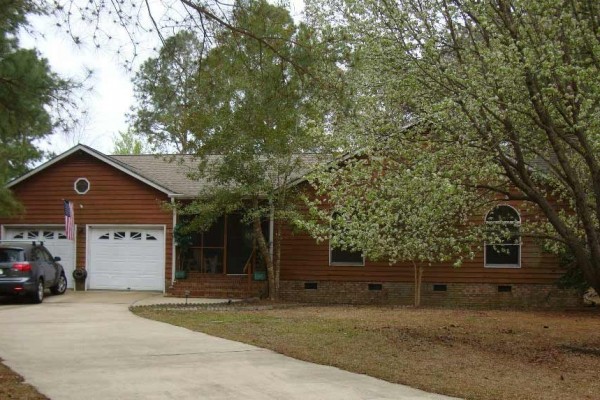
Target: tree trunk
(418, 280)
(589, 267)
(264, 251)
(277, 255)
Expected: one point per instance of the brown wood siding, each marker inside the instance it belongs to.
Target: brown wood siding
(304, 260)
(114, 198)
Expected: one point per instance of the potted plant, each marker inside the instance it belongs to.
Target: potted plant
(183, 241)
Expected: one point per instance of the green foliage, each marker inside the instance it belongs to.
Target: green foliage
(170, 96)
(511, 84)
(28, 89)
(398, 205)
(573, 279)
(242, 107)
(238, 100)
(182, 236)
(129, 143)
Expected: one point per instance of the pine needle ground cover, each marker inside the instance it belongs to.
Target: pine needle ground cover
(12, 386)
(464, 353)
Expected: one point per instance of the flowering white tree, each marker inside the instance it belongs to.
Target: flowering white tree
(512, 83)
(398, 205)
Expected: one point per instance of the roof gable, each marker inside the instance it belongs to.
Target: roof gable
(99, 156)
(172, 175)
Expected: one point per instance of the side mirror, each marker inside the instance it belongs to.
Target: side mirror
(56, 258)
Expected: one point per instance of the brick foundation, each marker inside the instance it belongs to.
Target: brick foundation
(217, 286)
(475, 295)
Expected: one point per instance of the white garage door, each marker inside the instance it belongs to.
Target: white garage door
(123, 258)
(54, 239)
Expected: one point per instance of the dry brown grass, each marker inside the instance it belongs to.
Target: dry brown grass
(463, 353)
(13, 387)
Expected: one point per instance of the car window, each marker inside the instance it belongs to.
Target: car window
(35, 255)
(38, 254)
(11, 255)
(47, 254)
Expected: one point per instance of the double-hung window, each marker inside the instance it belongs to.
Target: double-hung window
(503, 248)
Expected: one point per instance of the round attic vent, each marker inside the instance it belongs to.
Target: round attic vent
(82, 186)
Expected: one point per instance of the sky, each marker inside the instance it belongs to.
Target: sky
(111, 92)
(111, 95)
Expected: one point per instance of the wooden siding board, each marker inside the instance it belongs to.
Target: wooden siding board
(114, 198)
(305, 260)
(117, 198)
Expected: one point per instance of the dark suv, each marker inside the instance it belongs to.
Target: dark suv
(28, 268)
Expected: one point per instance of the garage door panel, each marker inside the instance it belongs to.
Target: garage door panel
(127, 258)
(54, 239)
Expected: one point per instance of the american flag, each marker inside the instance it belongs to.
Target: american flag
(69, 220)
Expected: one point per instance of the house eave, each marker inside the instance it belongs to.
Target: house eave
(99, 156)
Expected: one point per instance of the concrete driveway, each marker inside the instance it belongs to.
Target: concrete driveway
(89, 346)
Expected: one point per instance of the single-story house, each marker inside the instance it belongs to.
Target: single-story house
(124, 238)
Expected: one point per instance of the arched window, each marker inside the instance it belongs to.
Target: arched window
(504, 223)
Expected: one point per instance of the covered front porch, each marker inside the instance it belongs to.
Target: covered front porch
(222, 261)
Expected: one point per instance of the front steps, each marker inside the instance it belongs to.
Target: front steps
(218, 286)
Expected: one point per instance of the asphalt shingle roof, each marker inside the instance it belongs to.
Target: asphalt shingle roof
(173, 172)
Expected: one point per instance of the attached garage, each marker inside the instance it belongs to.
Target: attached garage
(126, 257)
(123, 231)
(54, 239)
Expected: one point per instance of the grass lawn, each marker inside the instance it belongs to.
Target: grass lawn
(464, 353)
(13, 387)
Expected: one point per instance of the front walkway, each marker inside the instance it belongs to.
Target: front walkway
(89, 346)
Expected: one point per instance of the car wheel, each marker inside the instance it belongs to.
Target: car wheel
(61, 285)
(38, 296)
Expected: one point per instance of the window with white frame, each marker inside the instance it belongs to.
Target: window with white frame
(504, 224)
(81, 185)
(338, 256)
(345, 257)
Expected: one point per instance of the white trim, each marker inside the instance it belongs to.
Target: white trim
(26, 226)
(89, 266)
(178, 196)
(38, 226)
(173, 244)
(127, 225)
(164, 268)
(98, 155)
(513, 266)
(336, 161)
(79, 180)
(485, 244)
(500, 205)
(41, 227)
(87, 257)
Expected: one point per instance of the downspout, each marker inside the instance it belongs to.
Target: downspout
(173, 244)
